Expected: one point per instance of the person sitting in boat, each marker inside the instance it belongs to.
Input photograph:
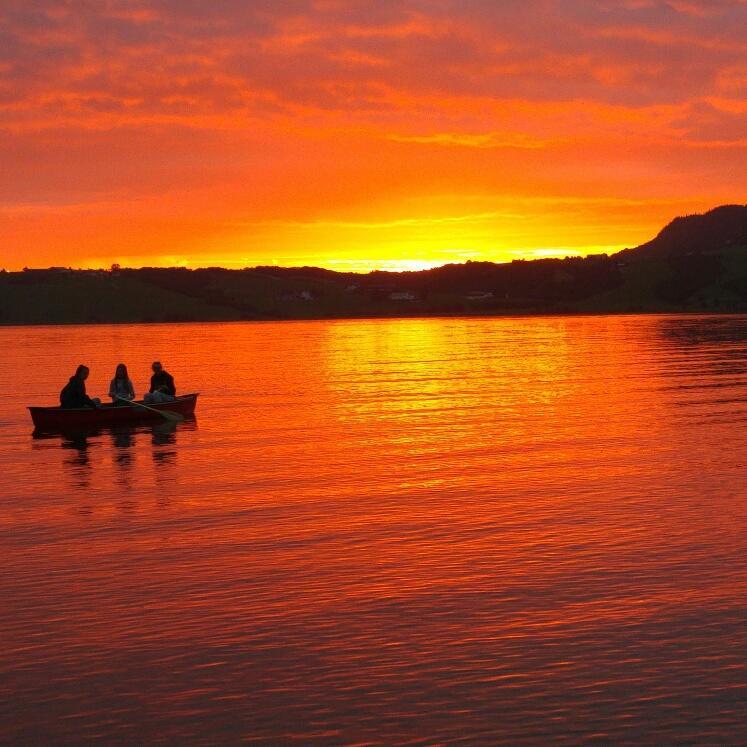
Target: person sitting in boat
(74, 395)
(162, 388)
(121, 386)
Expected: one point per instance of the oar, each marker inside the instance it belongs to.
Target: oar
(174, 417)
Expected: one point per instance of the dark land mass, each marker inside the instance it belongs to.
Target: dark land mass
(697, 263)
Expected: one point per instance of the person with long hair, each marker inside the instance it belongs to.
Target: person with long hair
(121, 386)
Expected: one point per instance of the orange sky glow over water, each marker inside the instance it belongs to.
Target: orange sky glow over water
(484, 531)
(359, 135)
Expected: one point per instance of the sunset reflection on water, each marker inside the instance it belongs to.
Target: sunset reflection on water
(456, 531)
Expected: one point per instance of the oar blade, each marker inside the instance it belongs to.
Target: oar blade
(174, 417)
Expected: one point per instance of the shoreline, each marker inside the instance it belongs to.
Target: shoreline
(385, 317)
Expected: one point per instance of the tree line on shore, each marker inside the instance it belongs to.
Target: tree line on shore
(695, 263)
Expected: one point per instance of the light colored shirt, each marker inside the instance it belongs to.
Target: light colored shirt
(121, 388)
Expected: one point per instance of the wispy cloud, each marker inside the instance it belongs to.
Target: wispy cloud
(476, 140)
(307, 109)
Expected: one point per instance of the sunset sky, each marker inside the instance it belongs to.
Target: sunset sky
(353, 134)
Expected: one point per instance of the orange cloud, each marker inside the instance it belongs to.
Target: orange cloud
(360, 132)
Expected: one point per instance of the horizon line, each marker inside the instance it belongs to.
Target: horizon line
(116, 267)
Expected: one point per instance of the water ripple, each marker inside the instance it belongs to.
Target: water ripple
(457, 532)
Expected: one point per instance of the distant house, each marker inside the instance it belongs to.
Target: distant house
(299, 296)
(402, 296)
(351, 288)
(479, 295)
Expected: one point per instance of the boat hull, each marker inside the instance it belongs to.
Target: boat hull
(59, 419)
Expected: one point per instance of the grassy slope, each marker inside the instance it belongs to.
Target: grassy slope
(637, 292)
(641, 279)
(80, 299)
(83, 298)
(735, 266)
(279, 297)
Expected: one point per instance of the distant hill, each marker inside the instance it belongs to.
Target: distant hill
(696, 263)
(717, 229)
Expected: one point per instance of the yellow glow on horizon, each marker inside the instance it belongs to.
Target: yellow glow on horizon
(428, 237)
(353, 137)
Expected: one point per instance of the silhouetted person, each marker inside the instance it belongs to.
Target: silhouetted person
(74, 394)
(121, 386)
(162, 388)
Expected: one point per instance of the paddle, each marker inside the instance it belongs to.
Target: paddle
(174, 417)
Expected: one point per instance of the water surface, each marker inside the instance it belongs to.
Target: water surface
(452, 531)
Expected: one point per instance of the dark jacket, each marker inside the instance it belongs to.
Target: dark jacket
(74, 394)
(163, 382)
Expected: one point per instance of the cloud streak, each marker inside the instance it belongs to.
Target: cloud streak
(318, 110)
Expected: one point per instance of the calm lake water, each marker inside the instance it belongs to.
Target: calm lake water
(438, 531)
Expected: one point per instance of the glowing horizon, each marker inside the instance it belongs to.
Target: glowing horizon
(361, 135)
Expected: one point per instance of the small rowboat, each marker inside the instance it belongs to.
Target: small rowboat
(61, 419)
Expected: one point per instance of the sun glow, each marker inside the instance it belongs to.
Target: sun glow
(362, 138)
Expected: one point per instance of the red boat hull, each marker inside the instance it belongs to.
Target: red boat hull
(59, 419)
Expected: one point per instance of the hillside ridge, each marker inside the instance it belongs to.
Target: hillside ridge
(695, 263)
